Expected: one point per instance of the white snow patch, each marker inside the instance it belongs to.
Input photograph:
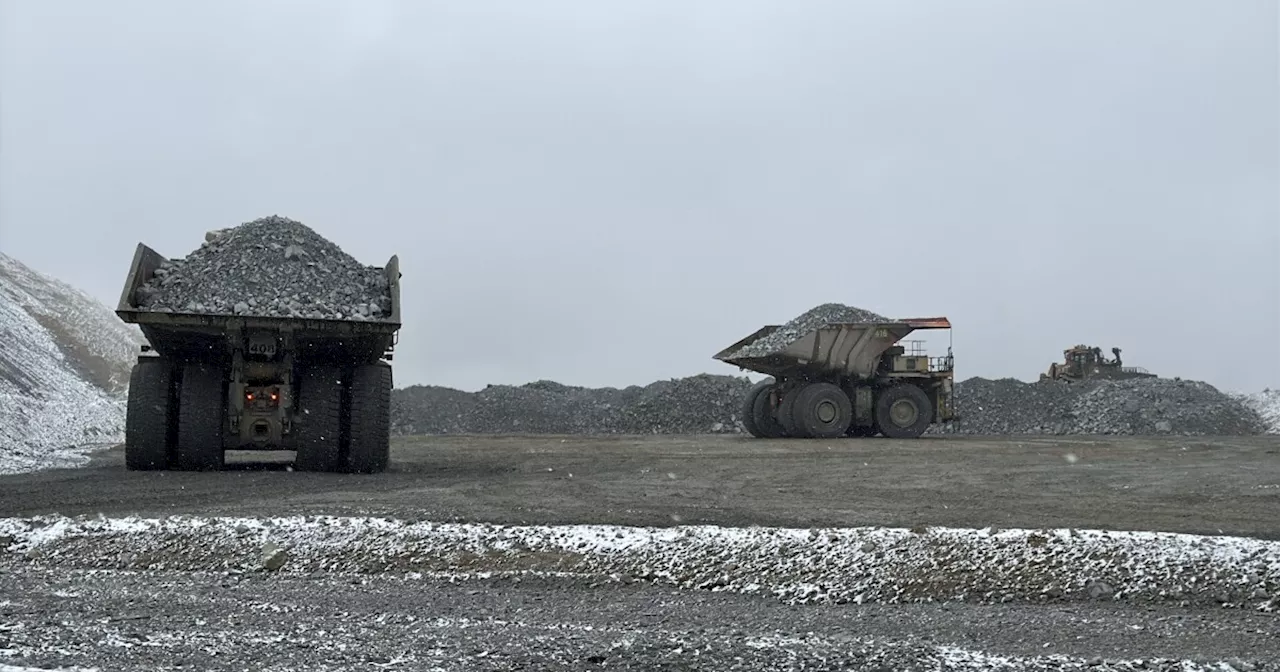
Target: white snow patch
(54, 410)
(1267, 404)
(868, 564)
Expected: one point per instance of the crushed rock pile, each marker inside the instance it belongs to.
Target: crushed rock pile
(65, 361)
(710, 404)
(695, 405)
(273, 267)
(1143, 406)
(810, 320)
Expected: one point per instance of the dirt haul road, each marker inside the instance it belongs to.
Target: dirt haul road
(566, 585)
(1201, 485)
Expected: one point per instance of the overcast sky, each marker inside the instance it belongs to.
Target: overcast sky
(608, 193)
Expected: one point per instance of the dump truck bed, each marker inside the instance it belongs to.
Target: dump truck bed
(851, 349)
(193, 335)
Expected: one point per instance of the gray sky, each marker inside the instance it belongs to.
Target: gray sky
(608, 193)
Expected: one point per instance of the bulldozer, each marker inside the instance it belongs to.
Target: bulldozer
(1084, 362)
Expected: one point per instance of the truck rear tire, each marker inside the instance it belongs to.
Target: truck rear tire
(822, 411)
(148, 422)
(786, 414)
(763, 414)
(317, 427)
(903, 411)
(369, 450)
(749, 412)
(202, 413)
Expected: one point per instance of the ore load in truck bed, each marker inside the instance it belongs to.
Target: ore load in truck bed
(270, 267)
(272, 273)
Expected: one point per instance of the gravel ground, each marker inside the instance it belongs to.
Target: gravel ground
(215, 621)
(122, 620)
(274, 267)
(1178, 484)
(810, 320)
(280, 584)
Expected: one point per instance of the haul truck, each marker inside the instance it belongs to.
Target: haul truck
(206, 384)
(847, 380)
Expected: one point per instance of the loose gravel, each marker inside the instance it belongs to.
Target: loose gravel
(810, 320)
(797, 566)
(128, 620)
(338, 593)
(271, 267)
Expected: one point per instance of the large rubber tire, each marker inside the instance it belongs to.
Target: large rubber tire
(749, 407)
(786, 414)
(765, 419)
(317, 422)
(369, 450)
(148, 421)
(202, 405)
(822, 411)
(903, 411)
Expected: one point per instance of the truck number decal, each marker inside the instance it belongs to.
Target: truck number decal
(262, 347)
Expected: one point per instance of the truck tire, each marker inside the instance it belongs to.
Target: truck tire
(369, 450)
(903, 411)
(202, 402)
(786, 414)
(765, 418)
(822, 411)
(749, 412)
(148, 422)
(317, 424)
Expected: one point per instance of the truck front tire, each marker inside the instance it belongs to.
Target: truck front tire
(202, 414)
(318, 422)
(369, 450)
(822, 411)
(903, 411)
(149, 416)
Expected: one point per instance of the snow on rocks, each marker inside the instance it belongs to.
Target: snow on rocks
(883, 565)
(810, 320)
(64, 368)
(1267, 405)
(274, 267)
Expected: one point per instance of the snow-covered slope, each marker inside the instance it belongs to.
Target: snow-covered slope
(65, 360)
(1267, 404)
